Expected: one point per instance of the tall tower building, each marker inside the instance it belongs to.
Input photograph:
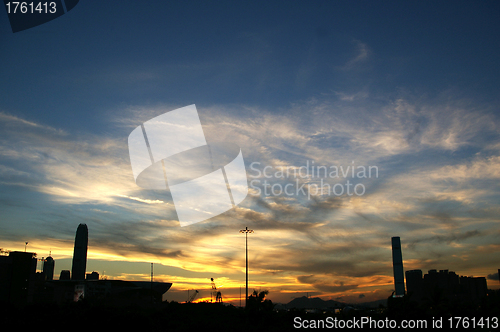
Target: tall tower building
(80, 253)
(397, 265)
(48, 268)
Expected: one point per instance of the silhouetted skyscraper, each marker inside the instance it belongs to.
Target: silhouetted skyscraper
(414, 283)
(397, 265)
(17, 277)
(80, 253)
(48, 268)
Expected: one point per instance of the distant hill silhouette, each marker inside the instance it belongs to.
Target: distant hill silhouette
(317, 303)
(373, 304)
(313, 303)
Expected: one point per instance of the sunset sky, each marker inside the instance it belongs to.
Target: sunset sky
(410, 89)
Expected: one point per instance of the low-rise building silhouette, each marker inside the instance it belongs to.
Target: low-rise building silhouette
(444, 286)
(65, 275)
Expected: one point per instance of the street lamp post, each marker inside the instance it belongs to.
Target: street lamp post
(246, 231)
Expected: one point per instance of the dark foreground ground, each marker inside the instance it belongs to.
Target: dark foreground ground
(173, 316)
(163, 317)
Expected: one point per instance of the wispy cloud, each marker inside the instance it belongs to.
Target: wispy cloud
(431, 191)
(147, 201)
(14, 121)
(362, 55)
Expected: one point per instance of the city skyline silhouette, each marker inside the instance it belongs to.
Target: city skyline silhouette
(357, 123)
(22, 282)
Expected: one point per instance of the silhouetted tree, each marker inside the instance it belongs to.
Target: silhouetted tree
(258, 302)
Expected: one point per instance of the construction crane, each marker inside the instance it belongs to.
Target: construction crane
(215, 293)
(191, 298)
(43, 262)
